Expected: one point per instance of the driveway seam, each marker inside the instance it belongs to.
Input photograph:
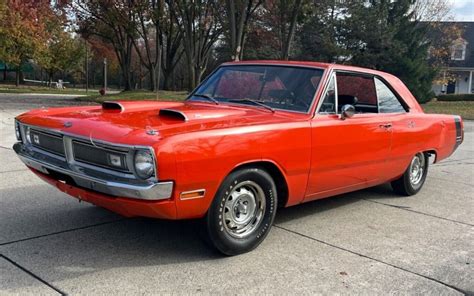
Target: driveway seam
(6, 148)
(447, 180)
(417, 212)
(453, 160)
(14, 171)
(373, 259)
(30, 273)
(62, 231)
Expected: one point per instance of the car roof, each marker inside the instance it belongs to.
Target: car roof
(394, 81)
(308, 64)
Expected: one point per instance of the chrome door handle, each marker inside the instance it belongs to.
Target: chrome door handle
(386, 125)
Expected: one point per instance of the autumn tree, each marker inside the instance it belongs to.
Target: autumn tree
(113, 21)
(287, 13)
(442, 30)
(22, 31)
(271, 34)
(235, 16)
(172, 42)
(62, 52)
(98, 50)
(200, 29)
(148, 17)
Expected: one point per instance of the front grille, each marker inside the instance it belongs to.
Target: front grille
(46, 141)
(87, 153)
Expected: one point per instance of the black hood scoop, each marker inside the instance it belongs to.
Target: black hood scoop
(173, 113)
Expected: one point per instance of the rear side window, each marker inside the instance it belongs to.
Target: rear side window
(388, 101)
(356, 90)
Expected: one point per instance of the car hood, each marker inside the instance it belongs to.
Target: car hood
(142, 122)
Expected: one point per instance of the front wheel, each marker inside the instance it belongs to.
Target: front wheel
(414, 177)
(242, 211)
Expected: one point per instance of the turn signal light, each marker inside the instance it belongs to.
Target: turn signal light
(193, 194)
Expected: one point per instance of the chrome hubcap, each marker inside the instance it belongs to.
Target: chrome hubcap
(417, 167)
(244, 208)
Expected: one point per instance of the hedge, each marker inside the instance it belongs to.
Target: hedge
(460, 97)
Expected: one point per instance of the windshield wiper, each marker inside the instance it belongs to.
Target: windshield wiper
(207, 98)
(258, 103)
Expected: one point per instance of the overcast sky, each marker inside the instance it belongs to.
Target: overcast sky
(463, 10)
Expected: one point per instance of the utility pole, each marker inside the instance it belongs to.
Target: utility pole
(105, 74)
(87, 67)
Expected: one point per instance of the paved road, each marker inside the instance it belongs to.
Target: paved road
(367, 242)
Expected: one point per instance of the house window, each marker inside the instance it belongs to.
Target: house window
(458, 50)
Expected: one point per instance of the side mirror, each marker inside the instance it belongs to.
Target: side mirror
(347, 111)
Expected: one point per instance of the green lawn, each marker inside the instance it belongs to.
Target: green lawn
(44, 90)
(137, 96)
(463, 108)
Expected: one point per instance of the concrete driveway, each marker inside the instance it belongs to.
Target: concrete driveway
(367, 242)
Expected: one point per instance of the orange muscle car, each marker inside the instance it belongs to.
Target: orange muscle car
(254, 136)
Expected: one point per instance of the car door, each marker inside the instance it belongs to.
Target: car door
(348, 154)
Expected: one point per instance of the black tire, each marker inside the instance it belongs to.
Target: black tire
(404, 185)
(219, 224)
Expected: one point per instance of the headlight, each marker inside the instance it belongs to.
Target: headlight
(144, 166)
(17, 131)
(28, 136)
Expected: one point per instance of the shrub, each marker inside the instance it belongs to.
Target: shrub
(453, 97)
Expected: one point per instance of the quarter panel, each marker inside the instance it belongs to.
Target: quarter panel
(416, 132)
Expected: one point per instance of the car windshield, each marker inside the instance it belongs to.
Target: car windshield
(278, 87)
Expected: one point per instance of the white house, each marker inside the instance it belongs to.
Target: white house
(460, 69)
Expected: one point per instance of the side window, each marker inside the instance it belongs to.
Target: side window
(329, 99)
(356, 90)
(388, 101)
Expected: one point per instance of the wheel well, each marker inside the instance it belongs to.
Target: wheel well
(276, 174)
(432, 152)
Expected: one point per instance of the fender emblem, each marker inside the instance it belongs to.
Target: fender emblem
(67, 124)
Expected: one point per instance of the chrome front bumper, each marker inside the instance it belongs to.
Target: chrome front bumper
(94, 180)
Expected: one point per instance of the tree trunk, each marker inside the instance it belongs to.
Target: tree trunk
(17, 78)
(191, 73)
(167, 81)
(127, 81)
(291, 30)
(126, 62)
(50, 79)
(158, 71)
(152, 78)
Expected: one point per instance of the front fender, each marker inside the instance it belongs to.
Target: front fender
(204, 159)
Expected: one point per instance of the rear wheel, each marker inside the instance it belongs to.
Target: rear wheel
(242, 212)
(412, 180)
